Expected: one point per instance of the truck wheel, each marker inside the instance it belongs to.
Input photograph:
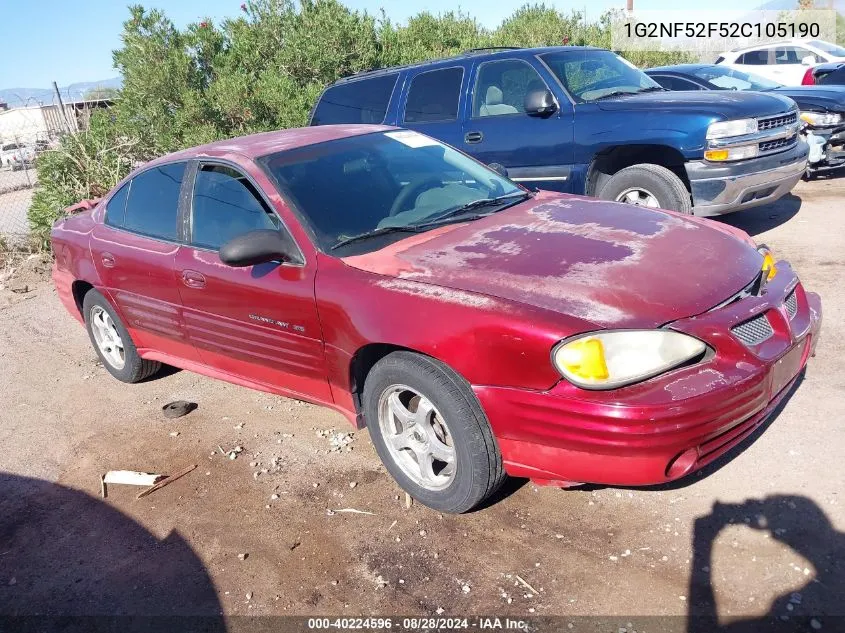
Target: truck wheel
(431, 433)
(648, 185)
(112, 342)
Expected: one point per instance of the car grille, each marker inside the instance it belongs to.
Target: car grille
(779, 144)
(772, 123)
(791, 305)
(754, 331)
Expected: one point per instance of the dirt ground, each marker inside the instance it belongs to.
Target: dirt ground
(759, 534)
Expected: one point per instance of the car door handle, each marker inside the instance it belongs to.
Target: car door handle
(107, 259)
(193, 279)
(473, 137)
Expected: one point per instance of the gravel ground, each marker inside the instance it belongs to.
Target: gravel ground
(759, 534)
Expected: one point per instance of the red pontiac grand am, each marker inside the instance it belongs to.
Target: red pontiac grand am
(476, 328)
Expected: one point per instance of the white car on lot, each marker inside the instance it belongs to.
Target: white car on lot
(785, 62)
(16, 155)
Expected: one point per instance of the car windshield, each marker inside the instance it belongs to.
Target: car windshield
(357, 194)
(589, 75)
(827, 47)
(730, 79)
(9, 148)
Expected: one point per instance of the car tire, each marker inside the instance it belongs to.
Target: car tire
(650, 184)
(107, 332)
(446, 414)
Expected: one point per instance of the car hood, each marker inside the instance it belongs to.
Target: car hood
(818, 97)
(729, 104)
(610, 264)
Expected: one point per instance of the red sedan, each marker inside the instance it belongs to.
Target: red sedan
(476, 328)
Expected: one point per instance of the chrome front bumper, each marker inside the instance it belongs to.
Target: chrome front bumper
(723, 188)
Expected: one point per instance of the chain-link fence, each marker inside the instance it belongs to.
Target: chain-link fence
(25, 133)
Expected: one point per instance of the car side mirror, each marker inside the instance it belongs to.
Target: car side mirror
(540, 102)
(259, 247)
(808, 60)
(499, 169)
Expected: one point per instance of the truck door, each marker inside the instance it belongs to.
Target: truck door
(537, 149)
(433, 101)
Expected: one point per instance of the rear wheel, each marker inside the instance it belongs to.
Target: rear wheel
(112, 342)
(431, 433)
(648, 185)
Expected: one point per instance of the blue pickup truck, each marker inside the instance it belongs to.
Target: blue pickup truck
(584, 120)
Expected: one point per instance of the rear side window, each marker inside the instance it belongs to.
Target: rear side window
(226, 205)
(434, 96)
(754, 58)
(154, 201)
(361, 101)
(116, 208)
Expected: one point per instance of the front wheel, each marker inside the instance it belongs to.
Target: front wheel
(431, 433)
(648, 185)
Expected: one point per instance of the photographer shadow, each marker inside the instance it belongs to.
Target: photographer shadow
(798, 523)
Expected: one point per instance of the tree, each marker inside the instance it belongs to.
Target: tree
(100, 93)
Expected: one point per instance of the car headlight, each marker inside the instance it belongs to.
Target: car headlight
(605, 360)
(725, 129)
(739, 152)
(821, 119)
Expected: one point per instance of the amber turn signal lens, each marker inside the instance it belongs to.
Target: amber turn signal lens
(769, 269)
(716, 154)
(585, 359)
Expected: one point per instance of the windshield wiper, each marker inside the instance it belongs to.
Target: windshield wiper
(385, 230)
(616, 93)
(508, 199)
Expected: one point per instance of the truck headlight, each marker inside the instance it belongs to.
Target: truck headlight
(725, 129)
(732, 153)
(605, 360)
(821, 119)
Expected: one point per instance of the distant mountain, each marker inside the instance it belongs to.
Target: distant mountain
(17, 97)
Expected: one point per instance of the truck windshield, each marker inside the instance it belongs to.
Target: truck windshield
(359, 193)
(730, 79)
(589, 75)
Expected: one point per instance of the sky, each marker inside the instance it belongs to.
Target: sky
(67, 42)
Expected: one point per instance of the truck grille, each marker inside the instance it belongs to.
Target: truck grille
(778, 145)
(782, 120)
(791, 305)
(754, 331)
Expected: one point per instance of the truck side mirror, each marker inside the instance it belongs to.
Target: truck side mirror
(808, 60)
(539, 102)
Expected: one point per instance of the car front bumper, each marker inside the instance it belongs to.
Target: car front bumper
(834, 149)
(719, 188)
(667, 427)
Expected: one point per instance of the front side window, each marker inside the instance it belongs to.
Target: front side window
(153, 202)
(434, 96)
(792, 55)
(226, 205)
(360, 101)
(116, 208)
(501, 86)
(385, 186)
(590, 75)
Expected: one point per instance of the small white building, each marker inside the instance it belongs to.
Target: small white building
(44, 123)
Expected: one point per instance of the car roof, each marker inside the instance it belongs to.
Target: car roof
(803, 42)
(479, 53)
(256, 145)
